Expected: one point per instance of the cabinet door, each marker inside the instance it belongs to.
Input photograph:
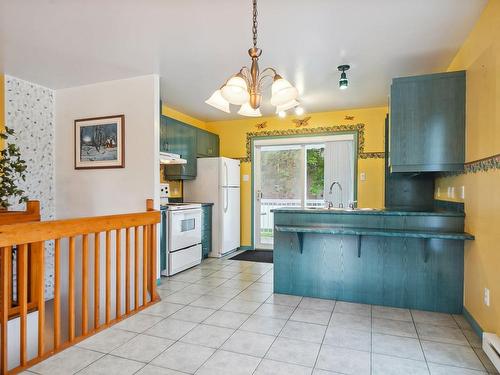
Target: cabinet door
(207, 144)
(181, 139)
(213, 145)
(202, 143)
(427, 127)
(163, 134)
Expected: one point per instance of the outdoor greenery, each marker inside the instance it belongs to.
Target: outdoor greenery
(280, 173)
(12, 170)
(315, 171)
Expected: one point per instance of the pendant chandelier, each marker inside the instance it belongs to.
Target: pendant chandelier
(245, 87)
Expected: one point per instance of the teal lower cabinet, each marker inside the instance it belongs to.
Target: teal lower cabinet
(399, 259)
(206, 230)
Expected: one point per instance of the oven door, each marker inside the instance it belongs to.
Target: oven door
(184, 228)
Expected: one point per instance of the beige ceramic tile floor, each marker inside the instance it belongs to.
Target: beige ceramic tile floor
(221, 317)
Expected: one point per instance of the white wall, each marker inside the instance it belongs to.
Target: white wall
(109, 191)
(106, 191)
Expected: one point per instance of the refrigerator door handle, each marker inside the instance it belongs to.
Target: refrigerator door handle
(226, 199)
(226, 171)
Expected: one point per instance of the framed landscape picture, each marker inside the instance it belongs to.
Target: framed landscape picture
(100, 142)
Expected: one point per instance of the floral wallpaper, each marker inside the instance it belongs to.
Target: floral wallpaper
(29, 110)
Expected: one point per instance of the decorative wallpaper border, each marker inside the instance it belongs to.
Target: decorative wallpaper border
(359, 128)
(480, 165)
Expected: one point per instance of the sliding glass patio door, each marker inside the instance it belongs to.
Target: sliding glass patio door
(297, 173)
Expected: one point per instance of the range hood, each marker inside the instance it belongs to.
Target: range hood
(170, 158)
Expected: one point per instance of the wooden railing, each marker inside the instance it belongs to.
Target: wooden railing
(31, 214)
(123, 254)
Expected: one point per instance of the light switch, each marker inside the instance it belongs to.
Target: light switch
(362, 176)
(439, 192)
(245, 177)
(462, 192)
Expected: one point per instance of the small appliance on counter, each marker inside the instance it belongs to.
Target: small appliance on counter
(164, 193)
(180, 243)
(218, 181)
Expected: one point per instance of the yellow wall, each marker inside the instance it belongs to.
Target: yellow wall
(170, 112)
(370, 192)
(480, 56)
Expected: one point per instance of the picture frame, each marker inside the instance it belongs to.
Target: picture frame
(100, 142)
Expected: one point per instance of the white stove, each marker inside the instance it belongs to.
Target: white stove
(180, 206)
(183, 236)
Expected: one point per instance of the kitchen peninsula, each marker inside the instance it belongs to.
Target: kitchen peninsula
(393, 258)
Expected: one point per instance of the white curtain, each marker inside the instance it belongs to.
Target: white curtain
(339, 167)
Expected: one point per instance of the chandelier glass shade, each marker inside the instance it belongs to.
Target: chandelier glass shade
(247, 110)
(245, 87)
(285, 107)
(218, 101)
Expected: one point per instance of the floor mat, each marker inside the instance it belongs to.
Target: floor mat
(262, 256)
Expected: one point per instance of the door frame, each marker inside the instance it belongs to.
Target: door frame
(324, 136)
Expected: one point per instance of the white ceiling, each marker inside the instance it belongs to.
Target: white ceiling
(194, 45)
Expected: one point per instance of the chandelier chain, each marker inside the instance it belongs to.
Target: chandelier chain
(254, 25)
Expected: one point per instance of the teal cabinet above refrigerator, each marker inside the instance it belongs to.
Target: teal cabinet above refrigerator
(427, 123)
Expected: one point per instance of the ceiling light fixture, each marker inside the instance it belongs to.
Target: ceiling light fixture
(343, 81)
(245, 87)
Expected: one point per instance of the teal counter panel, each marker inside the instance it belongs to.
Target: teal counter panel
(406, 263)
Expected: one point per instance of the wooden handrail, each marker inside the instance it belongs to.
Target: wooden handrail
(32, 213)
(48, 230)
(71, 237)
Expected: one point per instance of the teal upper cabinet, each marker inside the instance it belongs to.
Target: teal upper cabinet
(427, 123)
(188, 141)
(179, 138)
(207, 144)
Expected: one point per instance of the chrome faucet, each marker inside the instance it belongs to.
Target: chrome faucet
(341, 205)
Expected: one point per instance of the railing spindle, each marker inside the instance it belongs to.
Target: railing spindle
(4, 317)
(127, 270)
(108, 276)
(85, 281)
(153, 262)
(144, 264)
(30, 237)
(22, 260)
(97, 270)
(71, 290)
(41, 298)
(57, 293)
(118, 273)
(136, 268)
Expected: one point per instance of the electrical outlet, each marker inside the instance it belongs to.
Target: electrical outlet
(362, 176)
(487, 297)
(246, 177)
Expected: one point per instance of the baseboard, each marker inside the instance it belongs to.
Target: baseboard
(475, 325)
(246, 248)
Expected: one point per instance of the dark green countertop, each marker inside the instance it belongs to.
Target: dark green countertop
(362, 211)
(360, 231)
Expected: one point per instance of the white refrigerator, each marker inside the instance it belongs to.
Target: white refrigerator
(218, 182)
